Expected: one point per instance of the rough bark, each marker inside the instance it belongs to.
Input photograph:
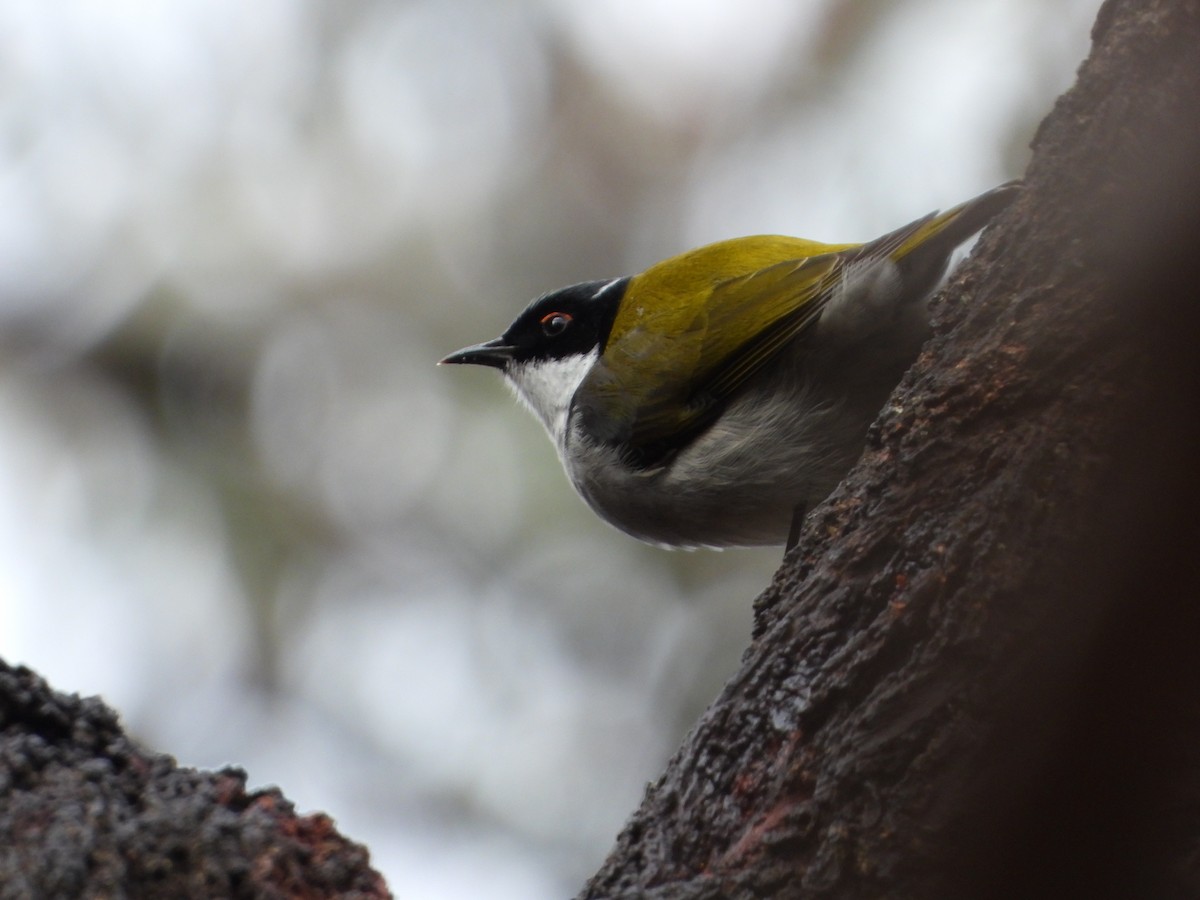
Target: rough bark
(977, 675)
(85, 812)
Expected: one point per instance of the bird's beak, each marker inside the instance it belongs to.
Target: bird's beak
(495, 353)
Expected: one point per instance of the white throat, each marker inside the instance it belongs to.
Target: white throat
(546, 386)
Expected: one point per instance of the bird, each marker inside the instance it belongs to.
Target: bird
(716, 397)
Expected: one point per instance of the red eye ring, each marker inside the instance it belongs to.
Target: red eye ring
(555, 323)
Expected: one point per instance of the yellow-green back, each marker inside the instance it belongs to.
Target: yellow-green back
(669, 296)
(692, 329)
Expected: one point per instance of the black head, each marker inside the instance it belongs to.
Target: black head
(571, 321)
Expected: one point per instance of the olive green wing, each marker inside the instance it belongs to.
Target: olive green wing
(667, 372)
(693, 329)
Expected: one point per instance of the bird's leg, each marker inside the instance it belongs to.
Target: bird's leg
(797, 523)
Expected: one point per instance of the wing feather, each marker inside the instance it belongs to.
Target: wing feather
(678, 375)
(695, 328)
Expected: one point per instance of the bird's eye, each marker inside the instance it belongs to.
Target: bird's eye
(555, 323)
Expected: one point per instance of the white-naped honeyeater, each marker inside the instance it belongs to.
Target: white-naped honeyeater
(712, 399)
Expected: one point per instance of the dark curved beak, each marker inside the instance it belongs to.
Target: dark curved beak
(495, 353)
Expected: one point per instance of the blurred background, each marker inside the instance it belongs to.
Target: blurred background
(237, 498)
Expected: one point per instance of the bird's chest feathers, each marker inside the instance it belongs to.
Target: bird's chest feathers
(546, 386)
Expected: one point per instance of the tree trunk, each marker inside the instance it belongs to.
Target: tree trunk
(977, 676)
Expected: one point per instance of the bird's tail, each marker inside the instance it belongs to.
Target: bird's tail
(922, 248)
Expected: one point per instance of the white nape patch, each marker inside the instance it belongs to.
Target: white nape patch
(604, 288)
(546, 386)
